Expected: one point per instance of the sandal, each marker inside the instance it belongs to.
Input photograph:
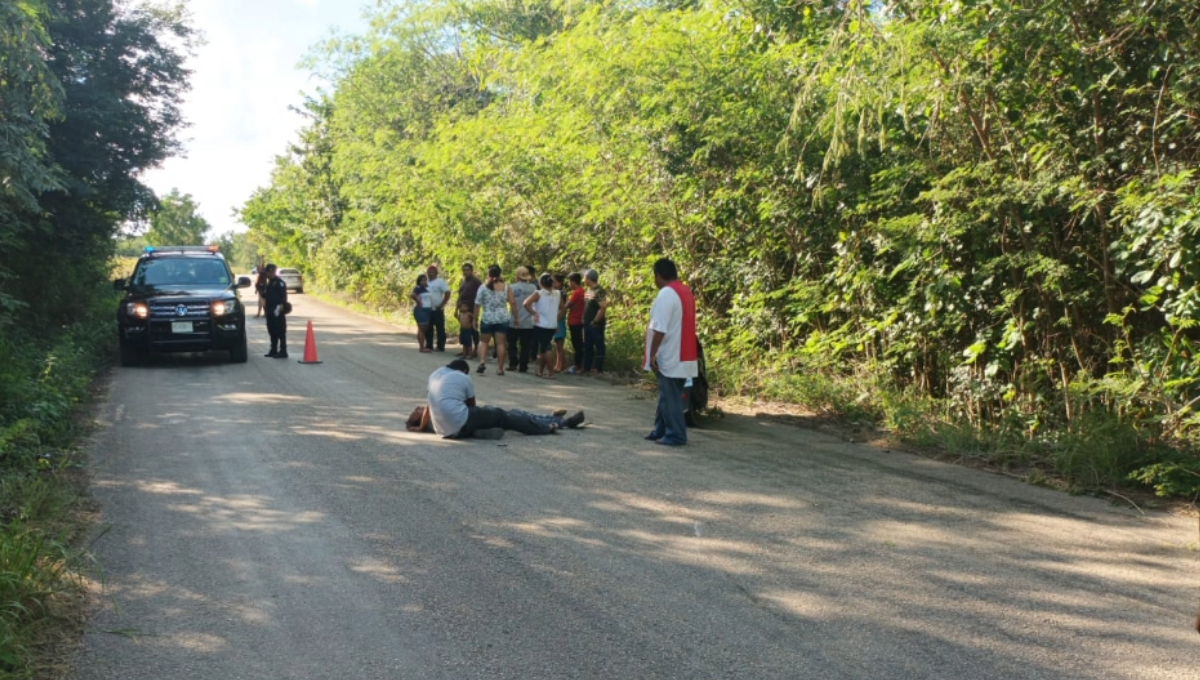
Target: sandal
(499, 371)
(482, 368)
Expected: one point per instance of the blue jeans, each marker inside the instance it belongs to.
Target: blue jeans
(669, 424)
(593, 347)
(437, 328)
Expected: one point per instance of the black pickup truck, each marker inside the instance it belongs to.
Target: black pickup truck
(181, 299)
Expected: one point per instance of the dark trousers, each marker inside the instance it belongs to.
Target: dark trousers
(576, 332)
(277, 329)
(518, 357)
(486, 417)
(593, 347)
(437, 325)
(670, 427)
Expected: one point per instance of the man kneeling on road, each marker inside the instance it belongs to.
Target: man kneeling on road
(453, 413)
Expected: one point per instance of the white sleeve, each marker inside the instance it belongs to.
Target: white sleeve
(666, 307)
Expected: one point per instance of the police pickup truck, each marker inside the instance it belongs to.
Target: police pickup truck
(181, 299)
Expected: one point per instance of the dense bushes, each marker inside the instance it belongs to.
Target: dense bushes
(41, 386)
(950, 217)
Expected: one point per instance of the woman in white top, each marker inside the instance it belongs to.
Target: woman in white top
(544, 304)
(422, 311)
(492, 303)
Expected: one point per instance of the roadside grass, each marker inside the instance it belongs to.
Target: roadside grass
(46, 381)
(1097, 451)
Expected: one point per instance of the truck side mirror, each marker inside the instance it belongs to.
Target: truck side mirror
(244, 282)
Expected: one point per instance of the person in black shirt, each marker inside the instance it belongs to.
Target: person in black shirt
(275, 296)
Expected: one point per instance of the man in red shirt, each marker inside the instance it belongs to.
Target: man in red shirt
(672, 352)
(575, 305)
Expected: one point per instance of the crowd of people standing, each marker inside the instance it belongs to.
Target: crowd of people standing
(528, 321)
(519, 323)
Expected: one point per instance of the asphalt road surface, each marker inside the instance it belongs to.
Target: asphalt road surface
(273, 520)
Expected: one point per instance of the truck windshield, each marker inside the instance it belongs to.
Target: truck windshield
(181, 272)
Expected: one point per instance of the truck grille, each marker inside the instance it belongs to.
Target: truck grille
(192, 310)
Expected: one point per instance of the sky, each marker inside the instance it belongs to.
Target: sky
(244, 78)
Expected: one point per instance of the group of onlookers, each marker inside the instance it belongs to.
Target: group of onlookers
(527, 321)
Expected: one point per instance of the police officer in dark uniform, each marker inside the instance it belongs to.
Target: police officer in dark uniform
(275, 297)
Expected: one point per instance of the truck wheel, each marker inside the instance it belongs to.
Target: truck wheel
(240, 353)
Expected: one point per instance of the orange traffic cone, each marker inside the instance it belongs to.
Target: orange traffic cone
(310, 347)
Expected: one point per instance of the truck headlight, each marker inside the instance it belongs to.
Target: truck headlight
(137, 310)
(221, 307)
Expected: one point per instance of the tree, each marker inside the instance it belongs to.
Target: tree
(96, 85)
(239, 252)
(177, 222)
(30, 98)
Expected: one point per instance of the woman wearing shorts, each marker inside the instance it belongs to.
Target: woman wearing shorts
(492, 305)
(422, 311)
(544, 305)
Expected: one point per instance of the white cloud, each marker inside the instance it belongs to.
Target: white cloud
(244, 79)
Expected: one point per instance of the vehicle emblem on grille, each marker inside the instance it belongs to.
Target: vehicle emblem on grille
(181, 310)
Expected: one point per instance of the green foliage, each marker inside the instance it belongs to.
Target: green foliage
(33, 575)
(238, 250)
(177, 222)
(975, 220)
(104, 86)
(1177, 478)
(41, 386)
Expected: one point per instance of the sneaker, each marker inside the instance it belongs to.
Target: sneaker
(271, 355)
(281, 355)
(489, 433)
(571, 371)
(560, 412)
(574, 421)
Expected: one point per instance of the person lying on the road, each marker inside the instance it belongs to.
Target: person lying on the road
(452, 412)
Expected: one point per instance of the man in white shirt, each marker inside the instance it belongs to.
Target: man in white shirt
(439, 292)
(671, 352)
(453, 413)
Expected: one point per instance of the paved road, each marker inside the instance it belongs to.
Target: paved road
(273, 520)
